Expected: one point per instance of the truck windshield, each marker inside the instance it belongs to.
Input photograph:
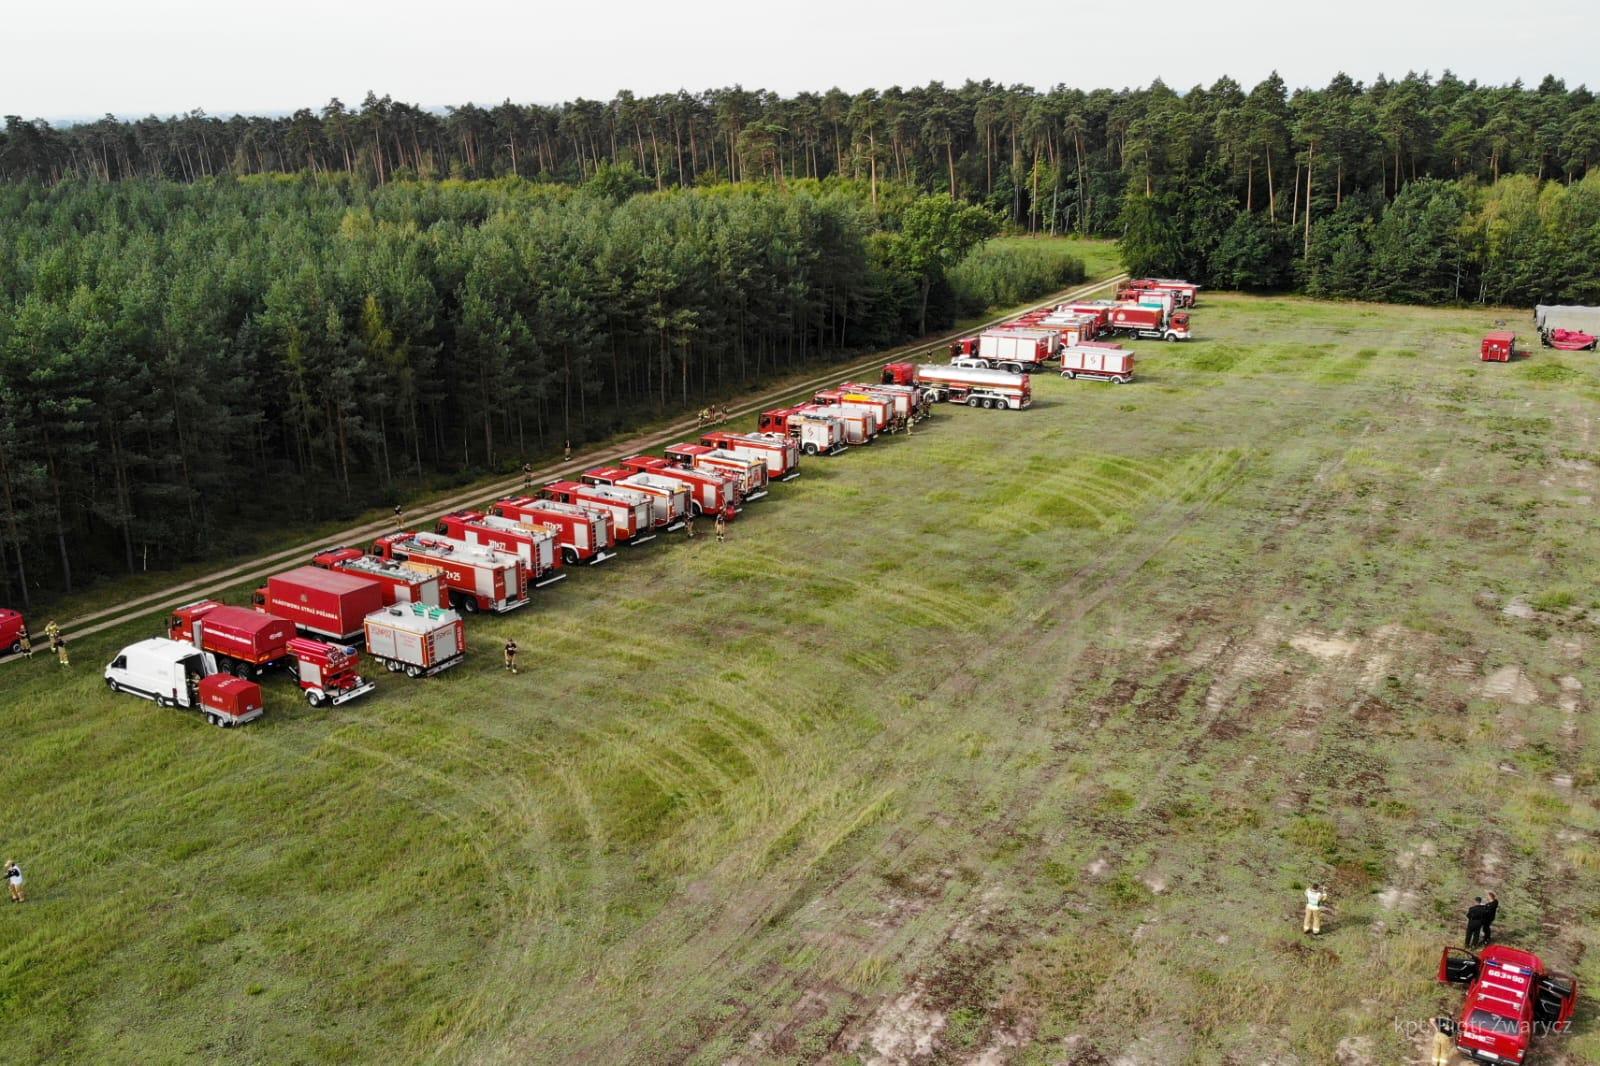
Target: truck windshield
(1484, 1021)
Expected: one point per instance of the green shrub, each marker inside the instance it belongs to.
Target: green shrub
(1004, 273)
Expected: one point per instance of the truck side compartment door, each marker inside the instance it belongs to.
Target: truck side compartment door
(1458, 966)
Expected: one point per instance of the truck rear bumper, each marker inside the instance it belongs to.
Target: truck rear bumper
(443, 665)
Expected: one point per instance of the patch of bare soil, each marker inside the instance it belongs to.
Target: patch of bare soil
(1510, 683)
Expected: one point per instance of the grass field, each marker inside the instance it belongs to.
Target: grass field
(1014, 741)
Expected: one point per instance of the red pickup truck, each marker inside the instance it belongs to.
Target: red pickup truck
(1510, 998)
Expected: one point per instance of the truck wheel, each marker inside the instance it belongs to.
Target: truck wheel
(112, 685)
(1121, 379)
(809, 448)
(973, 401)
(242, 669)
(216, 720)
(1071, 375)
(569, 555)
(16, 646)
(162, 701)
(413, 671)
(392, 667)
(315, 698)
(469, 605)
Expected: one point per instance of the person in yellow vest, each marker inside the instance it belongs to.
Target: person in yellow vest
(1316, 898)
(27, 644)
(52, 631)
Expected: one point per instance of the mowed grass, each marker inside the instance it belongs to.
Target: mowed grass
(1020, 736)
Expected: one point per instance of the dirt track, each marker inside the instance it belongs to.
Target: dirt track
(219, 581)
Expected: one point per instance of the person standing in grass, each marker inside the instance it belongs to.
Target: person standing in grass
(27, 644)
(511, 655)
(399, 518)
(527, 477)
(1475, 915)
(722, 529)
(566, 452)
(1316, 897)
(1490, 909)
(1444, 1042)
(61, 653)
(14, 879)
(52, 631)
(688, 526)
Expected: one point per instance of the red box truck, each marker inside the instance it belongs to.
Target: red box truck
(328, 603)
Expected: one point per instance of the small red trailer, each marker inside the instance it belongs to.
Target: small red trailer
(1100, 362)
(583, 534)
(12, 628)
(228, 701)
(532, 542)
(816, 434)
(779, 451)
(479, 579)
(633, 514)
(1150, 323)
(673, 498)
(752, 473)
(329, 674)
(416, 640)
(711, 491)
(400, 583)
(1498, 347)
(326, 603)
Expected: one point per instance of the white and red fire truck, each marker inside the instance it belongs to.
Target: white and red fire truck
(532, 542)
(779, 451)
(882, 411)
(479, 579)
(400, 583)
(711, 492)
(817, 434)
(633, 513)
(673, 498)
(752, 473)
(416, 640)
(1100, 362)
(583, 534)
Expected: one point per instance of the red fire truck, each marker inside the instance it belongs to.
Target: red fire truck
(673, 497)
(532, 542)
(752, 473)
(779, 451)
(881, 410)
(633, 514)
(1150, 323)
(479, 579)
(859, 426)
(903, 407)
(246, 643)
(1510, 998)
(324, 603)
(1186, 292)
(583, 534)
(817, 434)
(12, 627)
(711, 491)
(400, 583)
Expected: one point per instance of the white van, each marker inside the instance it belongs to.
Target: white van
(167, 671)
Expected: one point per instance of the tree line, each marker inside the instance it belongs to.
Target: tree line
(184, 364)
(1057, 160)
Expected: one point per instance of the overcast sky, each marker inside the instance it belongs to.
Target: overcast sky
(83, 58)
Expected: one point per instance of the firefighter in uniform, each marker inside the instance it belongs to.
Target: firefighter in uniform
(52, 631)
(399, 517)
(27, 644)
(61, 653)
(566, 453)
(527, 477)
(688, 525)
(511, 655)
(722, 529)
